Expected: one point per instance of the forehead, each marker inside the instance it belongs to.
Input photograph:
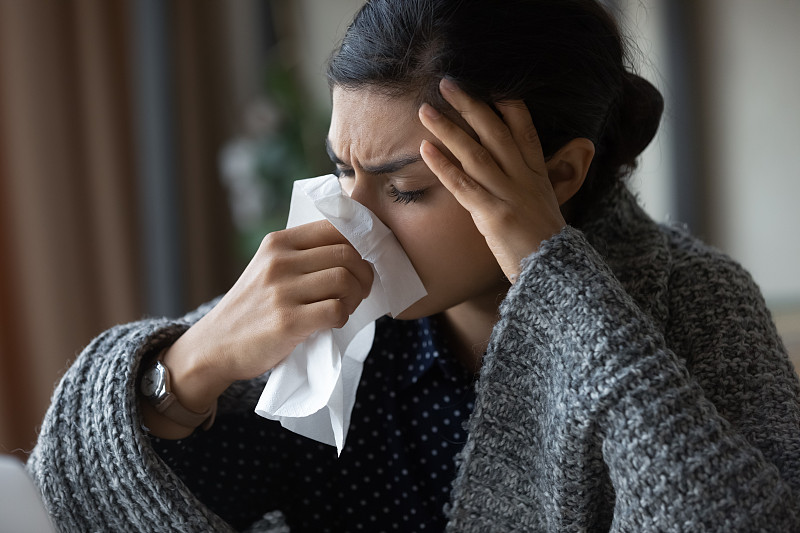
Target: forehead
(370, 125)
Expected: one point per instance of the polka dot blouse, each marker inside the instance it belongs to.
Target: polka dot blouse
(396, 469)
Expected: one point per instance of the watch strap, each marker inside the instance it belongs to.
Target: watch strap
(171, 407)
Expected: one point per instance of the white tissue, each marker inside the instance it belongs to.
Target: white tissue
(312, 392)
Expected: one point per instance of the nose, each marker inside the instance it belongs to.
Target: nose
(359, 193)
(359, 189)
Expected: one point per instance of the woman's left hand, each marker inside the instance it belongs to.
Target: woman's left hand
(502, 179)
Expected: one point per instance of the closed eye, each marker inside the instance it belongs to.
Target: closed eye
(405, 197)
(347, 172)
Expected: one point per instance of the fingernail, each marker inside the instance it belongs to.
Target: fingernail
(430, 111)
(448, 85)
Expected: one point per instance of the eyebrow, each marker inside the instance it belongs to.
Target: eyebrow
(383, 168)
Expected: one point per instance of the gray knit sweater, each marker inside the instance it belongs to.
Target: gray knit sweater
(634, 382)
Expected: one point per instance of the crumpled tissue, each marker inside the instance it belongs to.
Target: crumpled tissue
(312, 392)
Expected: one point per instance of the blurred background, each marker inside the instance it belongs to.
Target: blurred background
(146, 146)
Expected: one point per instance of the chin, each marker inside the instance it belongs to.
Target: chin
(406, 315)
(414, 312)
(426, 306)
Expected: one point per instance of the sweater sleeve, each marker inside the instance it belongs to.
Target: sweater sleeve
(93, 462)
(716, 448)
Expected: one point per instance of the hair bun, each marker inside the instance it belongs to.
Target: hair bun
(640, 112)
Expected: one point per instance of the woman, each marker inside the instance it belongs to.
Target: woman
(627, 377)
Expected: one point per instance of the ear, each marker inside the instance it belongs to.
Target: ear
(567, 168)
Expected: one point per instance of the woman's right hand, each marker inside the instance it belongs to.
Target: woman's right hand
(301, 280)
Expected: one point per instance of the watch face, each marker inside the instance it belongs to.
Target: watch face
(153, 381)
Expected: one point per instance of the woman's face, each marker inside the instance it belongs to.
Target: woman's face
(374, 141)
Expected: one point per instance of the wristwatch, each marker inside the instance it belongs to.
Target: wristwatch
(155, 387)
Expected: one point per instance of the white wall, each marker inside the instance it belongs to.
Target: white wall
(755, 60)
(642, 21)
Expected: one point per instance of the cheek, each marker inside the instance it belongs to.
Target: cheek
(446, 249)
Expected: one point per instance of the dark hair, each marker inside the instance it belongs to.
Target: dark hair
(565, 58)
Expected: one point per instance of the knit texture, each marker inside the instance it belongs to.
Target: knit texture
(634, 382)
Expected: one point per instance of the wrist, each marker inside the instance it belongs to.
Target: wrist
(194, 381)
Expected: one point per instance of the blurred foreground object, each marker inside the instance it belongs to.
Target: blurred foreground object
(21, 507)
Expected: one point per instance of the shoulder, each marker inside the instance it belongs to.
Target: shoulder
(710, 292)
(673, 275)
(634, 244)
(692, 257)
(719, 321)
(703, 278)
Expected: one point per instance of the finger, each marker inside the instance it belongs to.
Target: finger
(324, 315)
(467, 191)
(517, 117)
(335, 255)
(299, 322)
(282, 264)
(305, 236)
(494, 134)
(476, 160)
(331, 284)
